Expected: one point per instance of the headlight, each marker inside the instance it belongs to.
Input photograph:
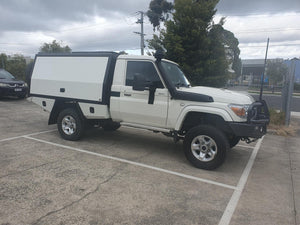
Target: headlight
(25, 85)
(4, 85)
(239, 110)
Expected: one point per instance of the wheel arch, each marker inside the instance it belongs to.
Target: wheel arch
(192, 117)
(60, 105)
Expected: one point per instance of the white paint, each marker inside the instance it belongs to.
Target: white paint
(81, 77)
(135, 163)
(133, 105)
(202, 107)
(231, 206)
(26, 135)
(245, 146)
(39, 101)
(100, 111)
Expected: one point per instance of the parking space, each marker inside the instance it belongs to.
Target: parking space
(19, 117)
(124, 177)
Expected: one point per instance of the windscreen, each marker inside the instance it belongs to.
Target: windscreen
(5, 75)
(174, 74)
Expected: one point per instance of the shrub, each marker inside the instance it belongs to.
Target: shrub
(276, 118)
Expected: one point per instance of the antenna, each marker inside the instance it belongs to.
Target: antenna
(263, 75)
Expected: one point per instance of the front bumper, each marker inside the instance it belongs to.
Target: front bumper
(13, 91)
(246, 130)
(257, 120)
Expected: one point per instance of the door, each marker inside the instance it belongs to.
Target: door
(137, 106)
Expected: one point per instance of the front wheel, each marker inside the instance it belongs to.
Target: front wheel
(205, 147)
(70, 125)
(233, 141)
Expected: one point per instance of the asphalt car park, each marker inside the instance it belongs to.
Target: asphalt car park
(135, 176)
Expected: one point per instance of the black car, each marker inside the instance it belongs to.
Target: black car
(10, 86)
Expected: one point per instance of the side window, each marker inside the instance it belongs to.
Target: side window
(141, 68)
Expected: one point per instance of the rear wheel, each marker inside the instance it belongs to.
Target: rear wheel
(205, 147)
(70, 125)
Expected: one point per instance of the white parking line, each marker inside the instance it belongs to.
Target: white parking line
(231, 206)
(27, 135)
(135, 163)
(246, 146)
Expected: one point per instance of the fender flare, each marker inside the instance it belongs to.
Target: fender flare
(201, 109)
(60, 105)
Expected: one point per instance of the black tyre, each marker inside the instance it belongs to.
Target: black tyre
(205, 147)
(111, 126)
(233, 141)
(70, 125)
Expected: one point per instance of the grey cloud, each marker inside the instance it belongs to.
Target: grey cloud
(43, 15)
(246, 7)
(117, 38)
(51, 17)
(274, 37)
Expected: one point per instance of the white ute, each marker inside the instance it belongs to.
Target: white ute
(110, 90)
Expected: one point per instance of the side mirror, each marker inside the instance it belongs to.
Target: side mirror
(139, 83)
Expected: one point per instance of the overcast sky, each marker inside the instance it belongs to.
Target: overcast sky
(93, 25)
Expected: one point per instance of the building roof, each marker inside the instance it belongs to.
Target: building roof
(253, 62)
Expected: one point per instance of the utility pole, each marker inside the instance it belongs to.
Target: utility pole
(141, 21)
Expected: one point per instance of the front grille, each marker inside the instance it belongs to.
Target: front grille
(16, 85)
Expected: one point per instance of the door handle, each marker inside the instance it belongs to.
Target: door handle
(126, 94)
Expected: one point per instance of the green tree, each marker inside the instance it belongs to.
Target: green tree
(159, 12)
(191, 40)
(233, 44)
(155, 43)
(276, 71)
(232, 51)
(15, 64)
(216, 65)
(3, 60)
(55, 46)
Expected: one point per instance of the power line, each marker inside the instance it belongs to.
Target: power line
(261, 14)
(262, 30)
(261, 46)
